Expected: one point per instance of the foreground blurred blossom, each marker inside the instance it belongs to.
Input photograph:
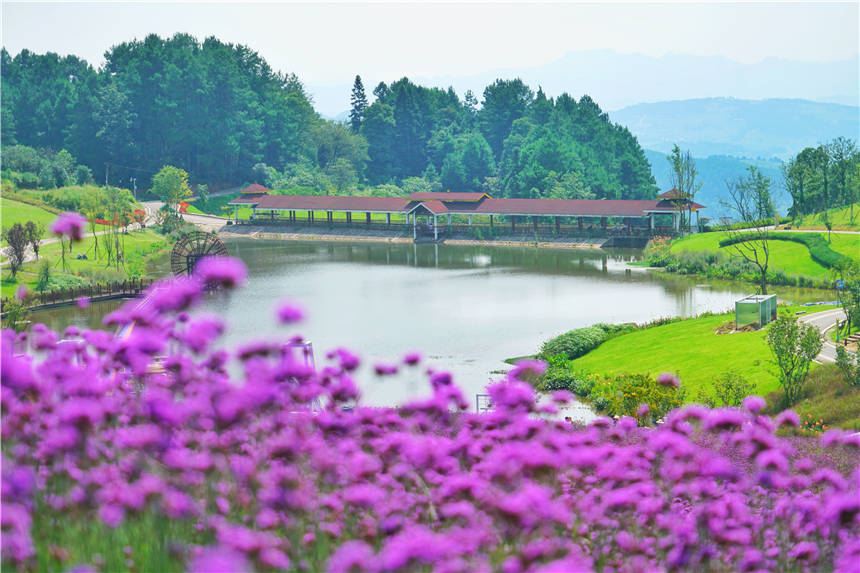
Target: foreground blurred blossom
(289, 313)
(220, 560)
(668, 379)
(754, 404)
(69, 225)
(383, 369)
(178, 455)
(221, 272)
(412, 358)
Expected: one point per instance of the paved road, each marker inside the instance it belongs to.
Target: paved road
(824, 321)
(204, 222)
(822, 231)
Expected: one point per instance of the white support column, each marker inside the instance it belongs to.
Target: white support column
(414, 227)
(651, 218)
(677, 221)
(449, 219)
(470, 220)
(435, 228)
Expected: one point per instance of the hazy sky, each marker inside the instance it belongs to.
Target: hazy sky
(330, 43)
(326, 45)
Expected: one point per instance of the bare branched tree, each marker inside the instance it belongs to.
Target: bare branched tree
(749, 199)
(684, 180)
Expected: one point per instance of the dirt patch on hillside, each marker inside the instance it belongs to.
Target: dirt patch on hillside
(729, 328)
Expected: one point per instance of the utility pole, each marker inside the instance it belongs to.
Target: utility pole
(107, 170)
(134, 184)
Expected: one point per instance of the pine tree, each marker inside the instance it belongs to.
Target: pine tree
(359, 104)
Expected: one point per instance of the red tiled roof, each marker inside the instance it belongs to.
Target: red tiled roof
(435, 207)
(668, 205)
(446, 197)
(248, 199)
(672, 193)
(487, 206)
(569, 207)
(339, 203)
(254, 188)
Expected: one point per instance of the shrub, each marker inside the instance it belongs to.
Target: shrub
(44, 278)
(562, 375)
(744, 225)
(794, 345)
(849, 365)
(731, 388)
(574, 343)
(657, 252)
(613, 330)
(625, 393)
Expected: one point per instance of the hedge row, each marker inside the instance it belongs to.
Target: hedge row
(745, 225)
(13, 196)
(574, 343)
(819, 248)
(581, 341)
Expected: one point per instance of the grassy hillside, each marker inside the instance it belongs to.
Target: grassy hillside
(791, 258)
(140, 248)
(690, 348)
(840, 220)
(12, 212)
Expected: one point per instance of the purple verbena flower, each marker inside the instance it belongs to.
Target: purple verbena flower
(69, 225)
(289, 313)
(221, 272)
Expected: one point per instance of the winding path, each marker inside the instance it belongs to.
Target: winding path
(824, 321)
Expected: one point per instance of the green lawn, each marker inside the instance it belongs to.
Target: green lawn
(791, 258)
(12, 212)
(840, 220)
(140, 247)
(692, 349)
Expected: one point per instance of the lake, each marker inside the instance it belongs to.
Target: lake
(466, 308)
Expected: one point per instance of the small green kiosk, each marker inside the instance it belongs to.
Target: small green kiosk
(756, 310)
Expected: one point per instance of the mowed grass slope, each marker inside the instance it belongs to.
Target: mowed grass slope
(789, 257)
(12, 212)
(140, 246)
(690, 348)
(840, 219)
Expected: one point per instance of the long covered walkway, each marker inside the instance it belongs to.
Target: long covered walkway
(434, 214)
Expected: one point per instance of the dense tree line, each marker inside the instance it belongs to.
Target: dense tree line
(517, 144)
(219, 112)
(823, 177)
(31, 168)
(215, 109)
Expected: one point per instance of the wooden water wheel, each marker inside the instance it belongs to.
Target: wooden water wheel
(192, 247)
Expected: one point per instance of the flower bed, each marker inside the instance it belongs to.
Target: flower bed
(143, 453)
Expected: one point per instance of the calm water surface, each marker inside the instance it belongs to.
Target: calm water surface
(465, 308)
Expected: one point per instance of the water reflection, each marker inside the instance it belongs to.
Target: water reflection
(466, 307)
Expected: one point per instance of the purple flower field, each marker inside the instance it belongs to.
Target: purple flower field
(142, 452)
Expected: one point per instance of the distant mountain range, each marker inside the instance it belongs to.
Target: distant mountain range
(616, 80)
(713, 172)
(745, 128)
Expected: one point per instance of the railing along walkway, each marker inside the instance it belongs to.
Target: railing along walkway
(95, 292)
